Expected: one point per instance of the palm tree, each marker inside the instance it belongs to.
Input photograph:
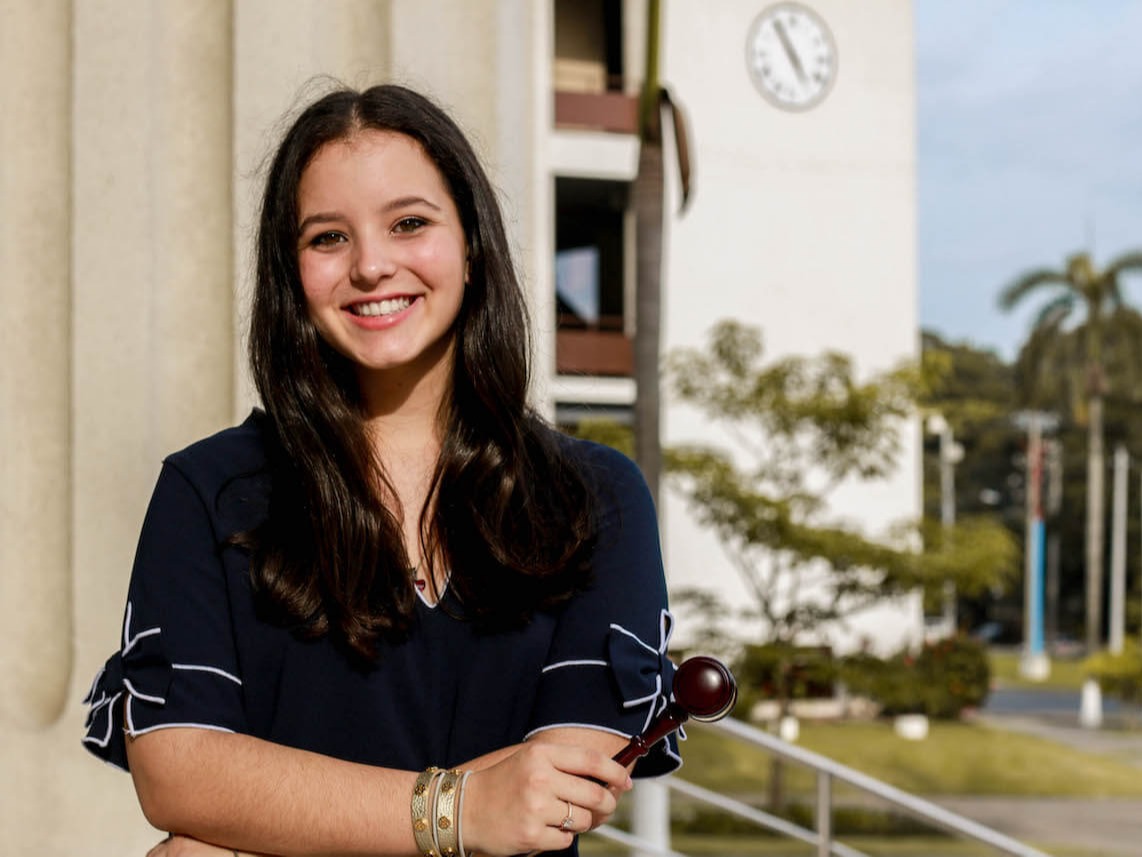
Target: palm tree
(1081, 286)
(647, 193)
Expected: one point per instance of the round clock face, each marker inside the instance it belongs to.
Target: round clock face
(791, 56)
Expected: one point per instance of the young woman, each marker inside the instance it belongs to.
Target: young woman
(395, 564)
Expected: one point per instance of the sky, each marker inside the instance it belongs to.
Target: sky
(1029, 116)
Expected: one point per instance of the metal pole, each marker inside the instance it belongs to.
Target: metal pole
(1034, 665)
(1054, 465)
(1118, 552)
(950, 455)
(824, 814)
(650, 815)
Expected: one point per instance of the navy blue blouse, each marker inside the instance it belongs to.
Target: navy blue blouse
(195, 653)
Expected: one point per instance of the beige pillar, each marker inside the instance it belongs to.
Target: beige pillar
(521, 171)
(455, 63)
(191, 174)
(35, 360)
(287, 54)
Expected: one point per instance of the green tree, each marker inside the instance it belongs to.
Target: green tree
(974, 390)
(1050, 372)
(802, 427)
(1082, 288)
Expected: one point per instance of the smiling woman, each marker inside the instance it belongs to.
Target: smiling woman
(393, 612)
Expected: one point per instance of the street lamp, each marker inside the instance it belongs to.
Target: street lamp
(950, 454)
(1034, 665)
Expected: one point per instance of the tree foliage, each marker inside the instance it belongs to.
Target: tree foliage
(1081, 288)
(801, 427)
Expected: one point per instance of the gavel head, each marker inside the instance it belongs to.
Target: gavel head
(705, 688)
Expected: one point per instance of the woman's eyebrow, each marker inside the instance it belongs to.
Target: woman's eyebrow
(319, 217)
(405, 201)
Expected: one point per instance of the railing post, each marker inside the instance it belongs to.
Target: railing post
(650, 816)
(824, 814)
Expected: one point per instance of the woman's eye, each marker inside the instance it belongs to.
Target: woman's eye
(325, 239)
(409, 224)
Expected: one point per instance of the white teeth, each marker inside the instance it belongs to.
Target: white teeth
(382, 307)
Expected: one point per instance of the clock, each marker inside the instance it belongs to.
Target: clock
(791, 56)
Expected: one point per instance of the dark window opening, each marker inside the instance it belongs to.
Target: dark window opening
(590, 266)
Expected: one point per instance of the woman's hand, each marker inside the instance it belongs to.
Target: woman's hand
(184, 846)
(520, 804)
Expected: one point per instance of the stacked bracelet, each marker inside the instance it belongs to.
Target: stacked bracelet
(421, 818)
(460, 815)
(445, 814)
(437, 806)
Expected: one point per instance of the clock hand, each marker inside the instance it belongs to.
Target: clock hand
(794, 60)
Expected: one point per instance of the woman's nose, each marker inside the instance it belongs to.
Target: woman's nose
(372, 262)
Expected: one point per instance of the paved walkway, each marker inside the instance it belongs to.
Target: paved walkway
(1103, 827)
(1091, 827)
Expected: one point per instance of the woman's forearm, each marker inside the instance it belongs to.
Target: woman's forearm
(261, 797)
(255, 796)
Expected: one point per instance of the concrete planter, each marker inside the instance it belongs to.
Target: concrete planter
(911, 727)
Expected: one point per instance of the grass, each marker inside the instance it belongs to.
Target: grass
(1065, 674)
(955, 759)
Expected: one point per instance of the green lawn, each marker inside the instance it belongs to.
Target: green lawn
(956, 758)
(1065, 674)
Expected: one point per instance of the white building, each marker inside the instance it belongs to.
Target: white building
(802, 223)
(131, 139)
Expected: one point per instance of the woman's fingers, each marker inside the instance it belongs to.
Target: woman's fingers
(521, 804)
(184, 846)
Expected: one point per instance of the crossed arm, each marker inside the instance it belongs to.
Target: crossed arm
(253, 796)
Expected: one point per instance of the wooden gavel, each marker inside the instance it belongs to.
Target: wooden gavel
(704, 689)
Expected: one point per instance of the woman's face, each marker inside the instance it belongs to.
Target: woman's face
(382, 254)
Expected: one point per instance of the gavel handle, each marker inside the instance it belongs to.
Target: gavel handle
(660, 727)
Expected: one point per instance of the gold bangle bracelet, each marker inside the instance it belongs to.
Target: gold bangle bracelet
(460, 815)
(421, 817)
(445, 827)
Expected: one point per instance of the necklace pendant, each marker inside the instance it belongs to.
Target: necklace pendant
(420, 584)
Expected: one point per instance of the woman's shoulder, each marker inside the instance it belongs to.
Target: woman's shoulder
(611, 474)
(224, 455)
(230, 474)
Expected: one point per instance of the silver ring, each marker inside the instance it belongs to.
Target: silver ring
(568, 823)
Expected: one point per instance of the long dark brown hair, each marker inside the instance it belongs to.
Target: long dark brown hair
(509, 512)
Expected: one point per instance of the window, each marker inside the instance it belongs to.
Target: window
(588, 67)
(590, 277)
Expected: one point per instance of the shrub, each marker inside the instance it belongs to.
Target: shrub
(783, 672)
(940, 680)
(1118, 675)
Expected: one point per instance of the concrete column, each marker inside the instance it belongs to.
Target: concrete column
(152, 343)
(455, 64)
(191, 184)
(286, 55)
(35, 360)
(153, 331)
(520, 169)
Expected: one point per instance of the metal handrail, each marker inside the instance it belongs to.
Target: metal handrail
(828, 770)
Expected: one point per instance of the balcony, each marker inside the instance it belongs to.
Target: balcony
(615, 112)
(601, 349)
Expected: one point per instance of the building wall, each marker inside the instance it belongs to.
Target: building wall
(804, 225)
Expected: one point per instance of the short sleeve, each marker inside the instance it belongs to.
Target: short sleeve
(177, 664)
(607, 667)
